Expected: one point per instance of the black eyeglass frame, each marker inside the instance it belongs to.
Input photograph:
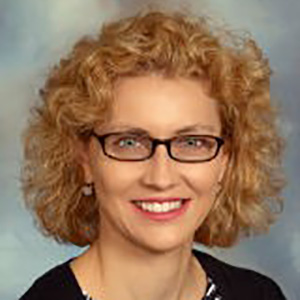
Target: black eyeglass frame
(155, 142)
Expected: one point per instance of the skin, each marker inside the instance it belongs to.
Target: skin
(135, 258)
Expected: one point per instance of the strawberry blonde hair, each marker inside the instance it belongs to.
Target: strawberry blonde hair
(78, 94)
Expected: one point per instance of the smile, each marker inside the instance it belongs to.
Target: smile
(161, 209)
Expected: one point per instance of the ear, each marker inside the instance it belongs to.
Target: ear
(83, 156)
(224, 165)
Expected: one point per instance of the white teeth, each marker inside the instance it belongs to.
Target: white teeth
(145, 206)
(157, 207)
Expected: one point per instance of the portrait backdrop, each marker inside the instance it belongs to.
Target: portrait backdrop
(34, 34)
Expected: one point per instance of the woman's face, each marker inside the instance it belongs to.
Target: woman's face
(161, 107)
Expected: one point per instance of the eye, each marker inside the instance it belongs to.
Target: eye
(127, 142)
(197, 142)
(192, 141)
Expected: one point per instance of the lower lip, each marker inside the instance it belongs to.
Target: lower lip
(163, 216)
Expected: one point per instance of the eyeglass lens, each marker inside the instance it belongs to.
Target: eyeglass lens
(189, 147)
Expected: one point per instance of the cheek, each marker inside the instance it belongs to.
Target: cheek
(203, 179)
(113, 179)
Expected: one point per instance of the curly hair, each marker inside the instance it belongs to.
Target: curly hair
(77, 96)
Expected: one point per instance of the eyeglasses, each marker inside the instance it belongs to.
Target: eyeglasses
(126, 146)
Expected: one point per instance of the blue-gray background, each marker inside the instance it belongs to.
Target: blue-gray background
(34, 33)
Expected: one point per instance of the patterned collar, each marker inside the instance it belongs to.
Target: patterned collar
(211, 292)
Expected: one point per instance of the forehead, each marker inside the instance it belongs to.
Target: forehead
(162, 105)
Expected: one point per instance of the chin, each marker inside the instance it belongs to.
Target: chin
(163, 243)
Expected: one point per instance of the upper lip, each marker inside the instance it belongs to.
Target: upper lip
(161, 199)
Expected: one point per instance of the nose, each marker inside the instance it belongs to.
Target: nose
(160, 172)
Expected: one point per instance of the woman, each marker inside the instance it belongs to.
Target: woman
(153, 135)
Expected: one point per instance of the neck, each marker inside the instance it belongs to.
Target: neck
(110, 270)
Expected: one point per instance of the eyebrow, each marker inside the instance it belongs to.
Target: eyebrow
(185, 129)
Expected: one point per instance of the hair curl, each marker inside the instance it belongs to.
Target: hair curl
(77, 96)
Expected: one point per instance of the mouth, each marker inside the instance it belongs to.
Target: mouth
(160, 205)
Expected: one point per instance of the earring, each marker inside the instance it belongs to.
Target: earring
(217, 188)
(87, 189)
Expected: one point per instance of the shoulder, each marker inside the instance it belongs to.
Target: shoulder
(239, 283)
(57, 283)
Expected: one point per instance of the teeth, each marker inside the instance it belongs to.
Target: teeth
(157, 207)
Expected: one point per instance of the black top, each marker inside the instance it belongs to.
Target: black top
(232, 283)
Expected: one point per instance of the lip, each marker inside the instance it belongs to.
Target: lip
(160, 199)
(162, 216)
